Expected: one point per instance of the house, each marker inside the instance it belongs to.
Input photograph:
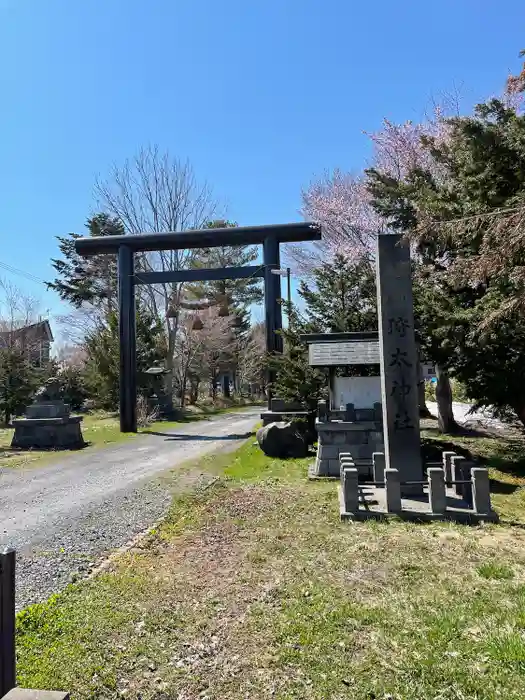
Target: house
(35, 340)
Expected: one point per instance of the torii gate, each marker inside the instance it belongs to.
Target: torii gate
(126, 246)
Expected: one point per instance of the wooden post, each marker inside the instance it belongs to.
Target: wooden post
(7, 621)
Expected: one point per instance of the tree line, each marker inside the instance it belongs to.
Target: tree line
(452, 184)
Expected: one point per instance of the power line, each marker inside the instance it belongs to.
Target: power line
(21, 273)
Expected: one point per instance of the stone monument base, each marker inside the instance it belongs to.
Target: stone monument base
(48, 433)
(360, 439)
(48, 426)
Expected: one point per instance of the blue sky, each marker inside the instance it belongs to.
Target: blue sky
(260, 95)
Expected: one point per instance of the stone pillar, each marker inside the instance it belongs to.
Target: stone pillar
(481, 491)
(393, 491)
(436, 490)
(456, 463)
(399, 360)
(378, 460)
(447, 464)
(345, 461)
(350, 490)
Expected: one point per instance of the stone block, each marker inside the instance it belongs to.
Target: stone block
(350, 413)
(25, 694)
(278, 405)
(322, 411)
(48, 433)
(378, 461)
(328, 451)
(436, 490)
(393, 491)
(350, 490)
(50, 409)
(481, 490)
(447, 464)
(322, 467)
(364, 414)
(334, 466)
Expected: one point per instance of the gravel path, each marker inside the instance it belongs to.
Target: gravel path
(64, 518)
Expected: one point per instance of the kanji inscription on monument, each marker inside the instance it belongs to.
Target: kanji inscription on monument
(399, 360)
(355, 352)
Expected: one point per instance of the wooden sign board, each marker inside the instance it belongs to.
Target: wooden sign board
(354, 352)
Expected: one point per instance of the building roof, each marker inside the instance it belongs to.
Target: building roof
(35, 331)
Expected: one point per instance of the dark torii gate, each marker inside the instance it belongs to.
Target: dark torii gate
(126, 246)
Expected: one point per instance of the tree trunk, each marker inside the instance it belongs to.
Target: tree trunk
(446, 421)
(423, 409)
(226, 386)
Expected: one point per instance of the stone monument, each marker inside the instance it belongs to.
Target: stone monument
(399, 361)
(351, 420)
(48, 423)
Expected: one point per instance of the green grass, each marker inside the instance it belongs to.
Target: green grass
(254, 588)
(99, 430)
(496, 571)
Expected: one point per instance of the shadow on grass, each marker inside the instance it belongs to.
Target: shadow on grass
(506, 453)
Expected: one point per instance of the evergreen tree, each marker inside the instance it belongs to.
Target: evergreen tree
(471, 276)
(18, 381)
(91, 280)
(103, 364)
(342, 299)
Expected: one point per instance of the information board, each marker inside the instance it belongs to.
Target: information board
(355, 352)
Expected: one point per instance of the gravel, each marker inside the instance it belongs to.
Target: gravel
(65, 518)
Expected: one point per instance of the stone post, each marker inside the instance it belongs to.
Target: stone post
(436, 490)
(447, 464)
(399, 361)
(481, 491)
(346, 461)
(393, 491)
(350, 490)
(378, 460)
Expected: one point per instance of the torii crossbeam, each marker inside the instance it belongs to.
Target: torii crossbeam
(270, 237)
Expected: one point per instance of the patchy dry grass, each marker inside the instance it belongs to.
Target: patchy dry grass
(253, 588)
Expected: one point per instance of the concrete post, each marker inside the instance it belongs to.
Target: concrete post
(436, 490)
(481, 490)
(350, 490)
(456, 472)
(447, 464)
(378, 460)
(393, 491)
(399, 360)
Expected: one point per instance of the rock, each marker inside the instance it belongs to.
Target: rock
(282, 440)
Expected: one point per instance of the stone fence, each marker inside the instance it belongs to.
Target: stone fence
(454, 489)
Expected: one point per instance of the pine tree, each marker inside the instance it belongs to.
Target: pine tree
(91, 280)
(342, 299)
(18, 381)
(465, 219)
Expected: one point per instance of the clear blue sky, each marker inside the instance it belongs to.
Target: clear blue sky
(260, 95)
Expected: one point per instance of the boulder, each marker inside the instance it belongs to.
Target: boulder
(282, 440)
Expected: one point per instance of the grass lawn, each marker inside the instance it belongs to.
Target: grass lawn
(253, 588)
(99, 429)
